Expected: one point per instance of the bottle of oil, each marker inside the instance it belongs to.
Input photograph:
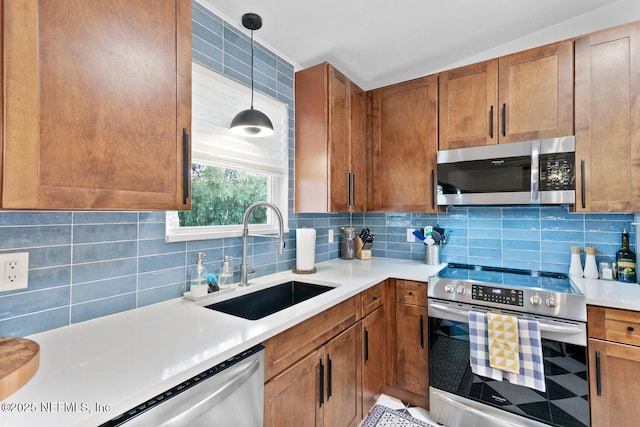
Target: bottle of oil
(626, 261)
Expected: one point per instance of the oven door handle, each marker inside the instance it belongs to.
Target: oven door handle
(544, 327)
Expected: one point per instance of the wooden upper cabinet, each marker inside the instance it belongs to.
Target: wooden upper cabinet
(468, 106)
(405, 141)
(608, 120)
(535, 93)
(330, 140)
(96, 99)
(519, 97)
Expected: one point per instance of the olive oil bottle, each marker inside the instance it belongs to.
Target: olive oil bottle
(626, 261)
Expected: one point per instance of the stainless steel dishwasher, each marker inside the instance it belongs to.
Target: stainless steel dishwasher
(229, 394)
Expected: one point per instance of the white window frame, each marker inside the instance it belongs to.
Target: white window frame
(278, 184)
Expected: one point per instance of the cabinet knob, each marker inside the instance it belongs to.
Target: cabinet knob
(630, 328)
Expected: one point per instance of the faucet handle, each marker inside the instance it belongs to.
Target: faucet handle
(251, 271)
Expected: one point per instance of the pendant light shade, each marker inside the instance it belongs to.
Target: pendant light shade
(251, 122)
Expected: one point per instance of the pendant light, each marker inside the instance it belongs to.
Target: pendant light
(251, 122)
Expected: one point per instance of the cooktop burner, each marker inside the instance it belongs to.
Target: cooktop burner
(556, 282)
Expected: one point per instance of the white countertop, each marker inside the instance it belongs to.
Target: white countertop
(93, 371)
(610, 293)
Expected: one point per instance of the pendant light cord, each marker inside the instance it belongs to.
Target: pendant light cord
(252, 69)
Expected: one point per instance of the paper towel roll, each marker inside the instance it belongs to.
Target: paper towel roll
(305, 249)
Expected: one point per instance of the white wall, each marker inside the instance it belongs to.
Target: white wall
(616, 13)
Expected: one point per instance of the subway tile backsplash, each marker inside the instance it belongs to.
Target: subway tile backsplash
(84, 265)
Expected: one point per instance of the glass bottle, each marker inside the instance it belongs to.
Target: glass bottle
(199, 273)
(225, 278)
(626, 261)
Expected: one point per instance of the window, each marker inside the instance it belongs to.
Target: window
(228, 172)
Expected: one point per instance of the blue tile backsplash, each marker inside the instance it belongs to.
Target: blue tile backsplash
(84, 265)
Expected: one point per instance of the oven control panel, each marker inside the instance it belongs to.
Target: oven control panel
(497, 295)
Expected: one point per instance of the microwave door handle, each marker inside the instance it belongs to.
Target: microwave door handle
(535, 170)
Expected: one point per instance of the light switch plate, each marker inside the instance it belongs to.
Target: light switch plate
(15, 271)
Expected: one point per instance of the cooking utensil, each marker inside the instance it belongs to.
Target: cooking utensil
(436, 236)
(419, 235)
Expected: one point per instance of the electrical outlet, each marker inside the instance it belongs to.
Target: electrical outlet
(410, 237)
(15, 271)
(330, 232)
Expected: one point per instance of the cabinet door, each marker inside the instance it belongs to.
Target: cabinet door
(295, 397)
(97, 98)
(608, 120)
(535, 93)
(339, 153)
(412, 370)
(373, 357)
(342, 407)
(357, 145)
(468, 106)
(614, 390)
(330, 142)
(405, 139)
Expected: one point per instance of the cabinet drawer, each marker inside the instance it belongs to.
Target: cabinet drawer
(372, 298)
(284, 349)
(409, 292)
(612, 324)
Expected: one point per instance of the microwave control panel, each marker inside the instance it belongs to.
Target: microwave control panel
(557, 172)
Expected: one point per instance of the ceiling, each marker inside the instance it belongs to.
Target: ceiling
(380, 42)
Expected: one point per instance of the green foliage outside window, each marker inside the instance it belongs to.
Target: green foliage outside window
(221, 196)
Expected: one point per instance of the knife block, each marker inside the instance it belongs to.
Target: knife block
(362, 253)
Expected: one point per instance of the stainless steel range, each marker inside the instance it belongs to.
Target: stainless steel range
(460, 397)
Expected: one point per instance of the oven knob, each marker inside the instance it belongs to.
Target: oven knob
(535, 300)
(460, 290)
(551, 302)
(449, 288)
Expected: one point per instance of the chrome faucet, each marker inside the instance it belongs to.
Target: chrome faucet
(245, 233)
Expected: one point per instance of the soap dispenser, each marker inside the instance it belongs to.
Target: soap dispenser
(199, 273)
(225, 278)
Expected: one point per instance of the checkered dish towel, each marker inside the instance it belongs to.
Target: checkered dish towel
(530, 354)
(479, 347)
(531, 362)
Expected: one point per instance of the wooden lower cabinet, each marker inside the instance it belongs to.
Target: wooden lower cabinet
(295, 395)
(407, 342)
(373, 358)
(322, 389)
(412, 369)
(614, 366)
(619, 378)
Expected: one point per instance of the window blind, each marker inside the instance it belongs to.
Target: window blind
(216, 99)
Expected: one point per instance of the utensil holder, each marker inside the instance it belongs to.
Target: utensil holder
(432, 254)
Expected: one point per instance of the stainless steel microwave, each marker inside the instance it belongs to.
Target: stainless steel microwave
(531, 172)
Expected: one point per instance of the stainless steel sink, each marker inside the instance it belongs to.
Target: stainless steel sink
(264, 302)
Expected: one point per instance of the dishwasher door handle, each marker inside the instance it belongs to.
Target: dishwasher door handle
(214, 398)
